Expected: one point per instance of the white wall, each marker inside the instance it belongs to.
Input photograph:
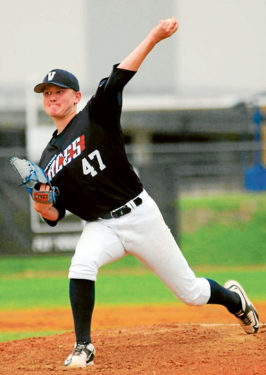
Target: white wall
(115, 27)
(220, 44)
(39, 35)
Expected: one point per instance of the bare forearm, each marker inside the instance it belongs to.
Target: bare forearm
(137, 56)
(163, 30)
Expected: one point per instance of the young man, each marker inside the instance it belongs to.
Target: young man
(86, 160)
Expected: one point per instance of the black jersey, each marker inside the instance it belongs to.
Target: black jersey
(87, 160)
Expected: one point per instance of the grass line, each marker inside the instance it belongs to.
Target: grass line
(14, 335)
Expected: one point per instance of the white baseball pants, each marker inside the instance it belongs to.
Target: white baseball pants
(144, 234)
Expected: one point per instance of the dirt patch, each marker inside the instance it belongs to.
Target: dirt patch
(150, 340)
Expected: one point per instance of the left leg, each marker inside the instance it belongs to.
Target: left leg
(97, 246)
(152, 242)
(235, 299)
(144, 233)
(82, 297)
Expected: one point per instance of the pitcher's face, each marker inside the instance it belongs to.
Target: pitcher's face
(59, 102)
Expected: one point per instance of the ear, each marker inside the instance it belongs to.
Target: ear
(77, 97)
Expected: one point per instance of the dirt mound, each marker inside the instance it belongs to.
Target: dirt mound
(138, 340)
(186, 349)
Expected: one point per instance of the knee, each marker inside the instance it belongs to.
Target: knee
(83, 270)
(197, 294)
(192, 300)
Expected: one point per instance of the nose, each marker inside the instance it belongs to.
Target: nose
(52, 98)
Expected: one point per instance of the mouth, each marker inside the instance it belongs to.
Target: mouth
(53, 105)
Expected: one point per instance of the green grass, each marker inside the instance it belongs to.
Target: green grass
(113, 289)
(224, 230)
(56, 263)
(10, 336)
(11, 265)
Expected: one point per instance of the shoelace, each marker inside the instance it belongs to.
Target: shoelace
(244, 317)
(78, 349)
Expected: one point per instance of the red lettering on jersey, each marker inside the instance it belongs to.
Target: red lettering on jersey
(78, 146)
(59, 162)
(82, 142)
(71, 152)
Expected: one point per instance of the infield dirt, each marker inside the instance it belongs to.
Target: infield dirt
(150, 340)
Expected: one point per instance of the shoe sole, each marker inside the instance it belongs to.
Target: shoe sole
(76, 365)
(232, 283)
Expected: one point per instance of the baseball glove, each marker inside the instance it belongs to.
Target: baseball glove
(32, 178)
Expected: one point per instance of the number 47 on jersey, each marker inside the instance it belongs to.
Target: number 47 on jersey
(88, 168)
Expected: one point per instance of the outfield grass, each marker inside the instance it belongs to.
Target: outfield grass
(225, 230)
(10, 336)
(112, 289)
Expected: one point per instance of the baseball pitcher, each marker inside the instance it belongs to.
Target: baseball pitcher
(89, 175)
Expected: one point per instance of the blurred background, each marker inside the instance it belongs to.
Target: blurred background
(194, 115)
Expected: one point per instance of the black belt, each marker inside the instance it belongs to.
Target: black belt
(122, 210)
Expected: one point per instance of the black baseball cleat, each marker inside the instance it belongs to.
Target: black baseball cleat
(81, 356)
(248, 316)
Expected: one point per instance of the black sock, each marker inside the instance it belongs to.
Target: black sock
(223, 296)
(82, 295)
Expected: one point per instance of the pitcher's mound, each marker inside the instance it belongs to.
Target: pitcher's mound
(187, 349)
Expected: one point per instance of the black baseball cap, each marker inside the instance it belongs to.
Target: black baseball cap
(58, 77)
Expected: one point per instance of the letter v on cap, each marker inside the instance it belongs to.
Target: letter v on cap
(51, 75)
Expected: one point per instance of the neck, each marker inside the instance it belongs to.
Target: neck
(61, 123)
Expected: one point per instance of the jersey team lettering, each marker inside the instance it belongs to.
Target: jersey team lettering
(70, 153)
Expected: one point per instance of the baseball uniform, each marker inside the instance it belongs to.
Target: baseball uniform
(88, 163)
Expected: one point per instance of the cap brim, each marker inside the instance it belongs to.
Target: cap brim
(41, 86)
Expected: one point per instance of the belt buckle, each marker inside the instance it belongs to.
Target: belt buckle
(120, 212)
(113, 216)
